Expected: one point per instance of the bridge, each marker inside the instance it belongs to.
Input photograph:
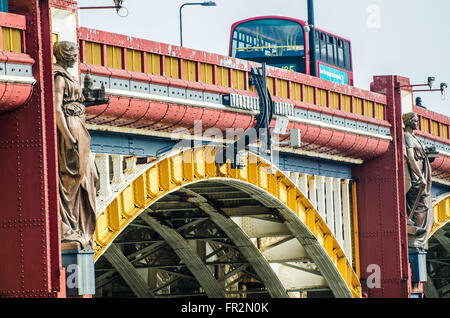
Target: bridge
(171, 221)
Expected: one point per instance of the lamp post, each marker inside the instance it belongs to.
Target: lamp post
(205, 4)
(312, 39)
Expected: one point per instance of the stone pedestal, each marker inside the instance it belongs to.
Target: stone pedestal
(79, 268)
(418, 261)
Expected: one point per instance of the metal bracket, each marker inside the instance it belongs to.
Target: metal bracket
(263, 119)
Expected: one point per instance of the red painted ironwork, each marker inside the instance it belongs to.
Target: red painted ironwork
(28, 162)
(12, 20)
(29, 236)
(382, 207)
(14, 94)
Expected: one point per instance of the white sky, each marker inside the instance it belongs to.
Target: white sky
(389, 37)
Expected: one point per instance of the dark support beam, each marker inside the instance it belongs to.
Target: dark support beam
(128, 272)
(187, 255)
(251, 253)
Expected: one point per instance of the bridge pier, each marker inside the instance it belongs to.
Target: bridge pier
(382, 207)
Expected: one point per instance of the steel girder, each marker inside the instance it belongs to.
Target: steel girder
(171, 173)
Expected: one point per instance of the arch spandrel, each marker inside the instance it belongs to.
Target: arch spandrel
(441, 209)
(175, 171)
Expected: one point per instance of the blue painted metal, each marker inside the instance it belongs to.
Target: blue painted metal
(315, 166)
(149, 146)
(438, 189)
(127, 144)
(80, 272)
(3, 5)
(418, 261)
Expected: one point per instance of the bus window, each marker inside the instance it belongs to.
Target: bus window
(348, 64)
(268, 38)
(341, 54)
(317, 45)
(323, 47)
(330, 50)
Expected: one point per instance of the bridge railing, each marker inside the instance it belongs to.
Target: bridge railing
(433, 125)
(12, 27)
(434, 132)
(119, 56)
(16, 74)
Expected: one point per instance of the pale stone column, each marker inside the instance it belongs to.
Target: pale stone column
(118, 176)
(329, 203)
(102, 162)
(346, 219)
(294, 177)
(130, 165)
(337, 209)
(312, 190)
(303, 183)
(320, 183)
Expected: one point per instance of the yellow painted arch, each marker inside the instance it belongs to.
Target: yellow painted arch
(441, 210)
(195, 165)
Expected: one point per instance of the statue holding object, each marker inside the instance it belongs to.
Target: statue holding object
(77, 172)
(417, 184)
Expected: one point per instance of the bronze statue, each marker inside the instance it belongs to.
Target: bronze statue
(417, 184)
(77, 171)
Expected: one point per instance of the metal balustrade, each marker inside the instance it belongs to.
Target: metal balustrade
(99, 48)
(12, 27)
(433, 125)
(16, 67)
(113, 172)
(333, 200)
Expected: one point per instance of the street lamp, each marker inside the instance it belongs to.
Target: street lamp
(205, 4)
(430, 82)
(121, 10)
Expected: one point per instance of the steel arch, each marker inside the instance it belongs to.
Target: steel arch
(175, 171)
(441, 210)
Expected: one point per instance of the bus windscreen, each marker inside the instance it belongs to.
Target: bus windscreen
(268, 38)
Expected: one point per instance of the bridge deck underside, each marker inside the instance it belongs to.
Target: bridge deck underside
(438, 261)
(208, 256)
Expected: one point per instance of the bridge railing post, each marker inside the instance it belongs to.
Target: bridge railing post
(102, 163)
(321, 196)
(312, 190)
(337, 210)
(346, 218)
(329, 203)
(117, 169)
(303, 183)
(130, 165)
(331, 197)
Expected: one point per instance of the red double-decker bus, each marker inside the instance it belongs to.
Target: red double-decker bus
(283, 42)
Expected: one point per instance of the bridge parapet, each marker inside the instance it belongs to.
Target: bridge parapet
(157, 86)
(434, 131)
(16, 76)
(120, 56)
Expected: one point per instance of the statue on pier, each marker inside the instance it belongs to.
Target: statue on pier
(76, 167)
(417, 184)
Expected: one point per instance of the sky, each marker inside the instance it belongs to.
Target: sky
(409, 38)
